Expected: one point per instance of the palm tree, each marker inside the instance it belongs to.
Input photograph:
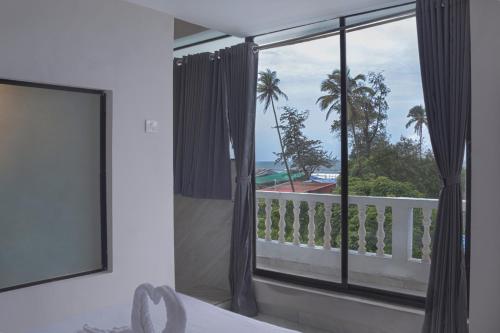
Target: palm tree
(418, 119)
(331, 85)
(268, 91)
(356, 90)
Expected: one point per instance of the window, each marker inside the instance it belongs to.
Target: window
(291, 226)
(52, 183)
(393, 179)
(352, 129)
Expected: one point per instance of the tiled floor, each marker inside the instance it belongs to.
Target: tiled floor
(288, 324)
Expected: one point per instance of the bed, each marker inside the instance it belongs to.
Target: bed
(201, 317)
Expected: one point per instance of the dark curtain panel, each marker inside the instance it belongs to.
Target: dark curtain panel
(444, 46)
(240, 68)
(202, 167)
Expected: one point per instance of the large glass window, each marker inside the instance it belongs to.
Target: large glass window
(346, 125)
(297, 162)
(393, 178)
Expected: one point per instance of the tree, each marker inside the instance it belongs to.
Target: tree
(366, 108)
(418, 119)
(268, 91)
(331, 101)
(306, 155)
(374, 112)
(400, 162)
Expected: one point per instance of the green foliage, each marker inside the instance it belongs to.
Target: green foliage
(381, 187)
(366, 108)
(306, 155)
(268, 91)
(377, 167)
(418, 119)
(400, 162)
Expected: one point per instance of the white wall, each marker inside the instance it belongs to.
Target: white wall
(114, 45)
(485, 261)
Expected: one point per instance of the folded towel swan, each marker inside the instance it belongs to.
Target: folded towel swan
(176, 313)
(141, 319)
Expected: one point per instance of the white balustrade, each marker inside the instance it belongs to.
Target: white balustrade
(268, 208)
(402, 221)
(311, 226)
(374, 259)
(426, 238)
(327, 238)
(296, 222)
(362, 229)
(380, 230)
(257, 210)
(282, 210)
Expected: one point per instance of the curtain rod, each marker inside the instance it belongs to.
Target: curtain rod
(326, 34)
(334, 18)
(319, 35)
(211, 57)
(336, 31)
(213, 39)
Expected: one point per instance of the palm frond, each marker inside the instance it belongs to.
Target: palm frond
(268, 88)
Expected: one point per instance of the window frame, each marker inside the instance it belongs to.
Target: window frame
(102, 178)
(344, 286)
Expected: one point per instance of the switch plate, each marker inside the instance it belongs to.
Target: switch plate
(151, 126)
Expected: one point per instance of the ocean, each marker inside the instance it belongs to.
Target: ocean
(281, 167)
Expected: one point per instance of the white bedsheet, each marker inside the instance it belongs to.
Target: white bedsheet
(201, 317)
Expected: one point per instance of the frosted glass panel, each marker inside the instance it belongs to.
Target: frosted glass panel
(50, 214)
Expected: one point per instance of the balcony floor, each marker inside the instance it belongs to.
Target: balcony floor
(400, 285)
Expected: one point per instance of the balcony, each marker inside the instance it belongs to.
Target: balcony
(299, 234)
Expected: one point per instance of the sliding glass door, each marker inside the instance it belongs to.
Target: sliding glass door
(341, 117)
(298, 220)
(393, 179)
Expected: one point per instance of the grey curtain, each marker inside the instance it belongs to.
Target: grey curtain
(444, 46)
(202, 167)
(240, 70)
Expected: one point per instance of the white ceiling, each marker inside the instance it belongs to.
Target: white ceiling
(251, 17)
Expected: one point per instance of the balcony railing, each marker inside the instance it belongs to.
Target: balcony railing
(314, 252)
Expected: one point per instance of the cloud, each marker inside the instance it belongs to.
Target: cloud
(391, 48)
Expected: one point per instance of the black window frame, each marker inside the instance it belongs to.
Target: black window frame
(345, 286)
(103, 95)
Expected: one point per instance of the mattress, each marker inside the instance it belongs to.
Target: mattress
(201, 317)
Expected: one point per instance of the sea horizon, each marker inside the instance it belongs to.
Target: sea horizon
(281, 167)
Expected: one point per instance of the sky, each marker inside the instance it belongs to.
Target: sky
(390, 48)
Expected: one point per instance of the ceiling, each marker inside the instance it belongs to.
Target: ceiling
(250, 17)
(184, 29)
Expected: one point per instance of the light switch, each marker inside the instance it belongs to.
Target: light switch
(151, 126)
